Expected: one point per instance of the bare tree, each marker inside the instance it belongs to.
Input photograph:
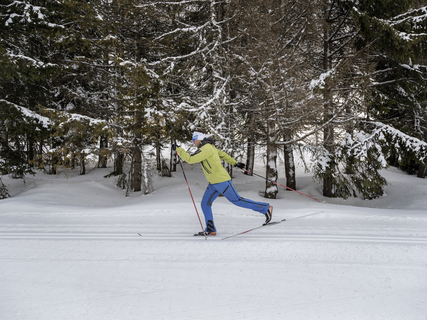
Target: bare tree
(271, 55)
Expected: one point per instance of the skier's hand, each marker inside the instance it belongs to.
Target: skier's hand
(174, 146)
(240, 165)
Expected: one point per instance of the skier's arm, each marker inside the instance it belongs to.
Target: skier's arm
(198, 156)
(224, 156)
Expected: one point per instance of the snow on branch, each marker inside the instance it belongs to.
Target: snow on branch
(78, 117)
(30, 114)
(197, 51)
(416, 16)
(46, 122)
(216, 96)
(170, 3)
(409, 36)
(32, 61)
(393, 23)
(26, 16)
(28, 10)
(190, 29)
(320, 81)
(385, 136)
(401, 139)
(356, 161)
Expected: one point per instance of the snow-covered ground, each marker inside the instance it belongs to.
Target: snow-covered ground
(70, 249)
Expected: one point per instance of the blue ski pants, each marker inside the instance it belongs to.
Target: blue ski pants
(227, 190)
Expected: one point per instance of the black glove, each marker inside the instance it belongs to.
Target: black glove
(240, 165)
(174, 146)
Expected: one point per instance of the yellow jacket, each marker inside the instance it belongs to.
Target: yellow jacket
(210, 160)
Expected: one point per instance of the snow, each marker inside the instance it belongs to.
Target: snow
(70, 249)
(320, 82)
(30, 114)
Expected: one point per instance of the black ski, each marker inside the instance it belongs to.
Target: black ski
(271, 224)
(201, 234)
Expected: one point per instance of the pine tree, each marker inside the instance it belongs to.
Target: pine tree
(341, 84)
(378, 39)
(84, 85)
(28, 69)
(399, 97)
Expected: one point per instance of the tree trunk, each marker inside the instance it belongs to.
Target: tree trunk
(173, 159)
(30, 149)
(350, 160)
(165, 170)
(271, 189)
(118, 163)
(136, 169)
(103, 145)
(328, 144)
(289, 166)
(147, 183)
(73, 161)
(328, 133)
(158, 156)
(421, 171)
(250, 154)
(53, 159)
(82, 165)
(5, 146)
(136, 182)
(53, 164)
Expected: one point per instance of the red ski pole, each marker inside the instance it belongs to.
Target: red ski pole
(189, 190)
(275, 182)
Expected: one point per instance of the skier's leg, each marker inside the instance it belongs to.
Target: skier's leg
(231, 194)
(210, 195)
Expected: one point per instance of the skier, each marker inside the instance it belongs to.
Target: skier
(219, 180)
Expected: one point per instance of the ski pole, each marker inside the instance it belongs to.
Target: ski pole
(275, 182)
(189, 190)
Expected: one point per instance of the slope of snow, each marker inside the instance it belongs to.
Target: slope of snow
(70, 249)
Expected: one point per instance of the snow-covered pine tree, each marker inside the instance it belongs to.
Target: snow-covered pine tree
(344, 84)
(399, 97)
(85, 86)
(18, 127)
(3, 190)
(58, 71)
(372, 150)
(340, 83)
(371, 47)
(140, 86)
(28, 67)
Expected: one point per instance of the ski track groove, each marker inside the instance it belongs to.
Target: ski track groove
(184, 237)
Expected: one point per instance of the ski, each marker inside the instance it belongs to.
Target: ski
(201, 234)
(271, 224)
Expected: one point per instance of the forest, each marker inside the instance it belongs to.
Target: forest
(119, 81)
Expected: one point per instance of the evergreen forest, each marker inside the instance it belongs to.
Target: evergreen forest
(103, 81)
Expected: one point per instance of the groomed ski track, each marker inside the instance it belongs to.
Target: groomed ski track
(185, 237)
(69, 253)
